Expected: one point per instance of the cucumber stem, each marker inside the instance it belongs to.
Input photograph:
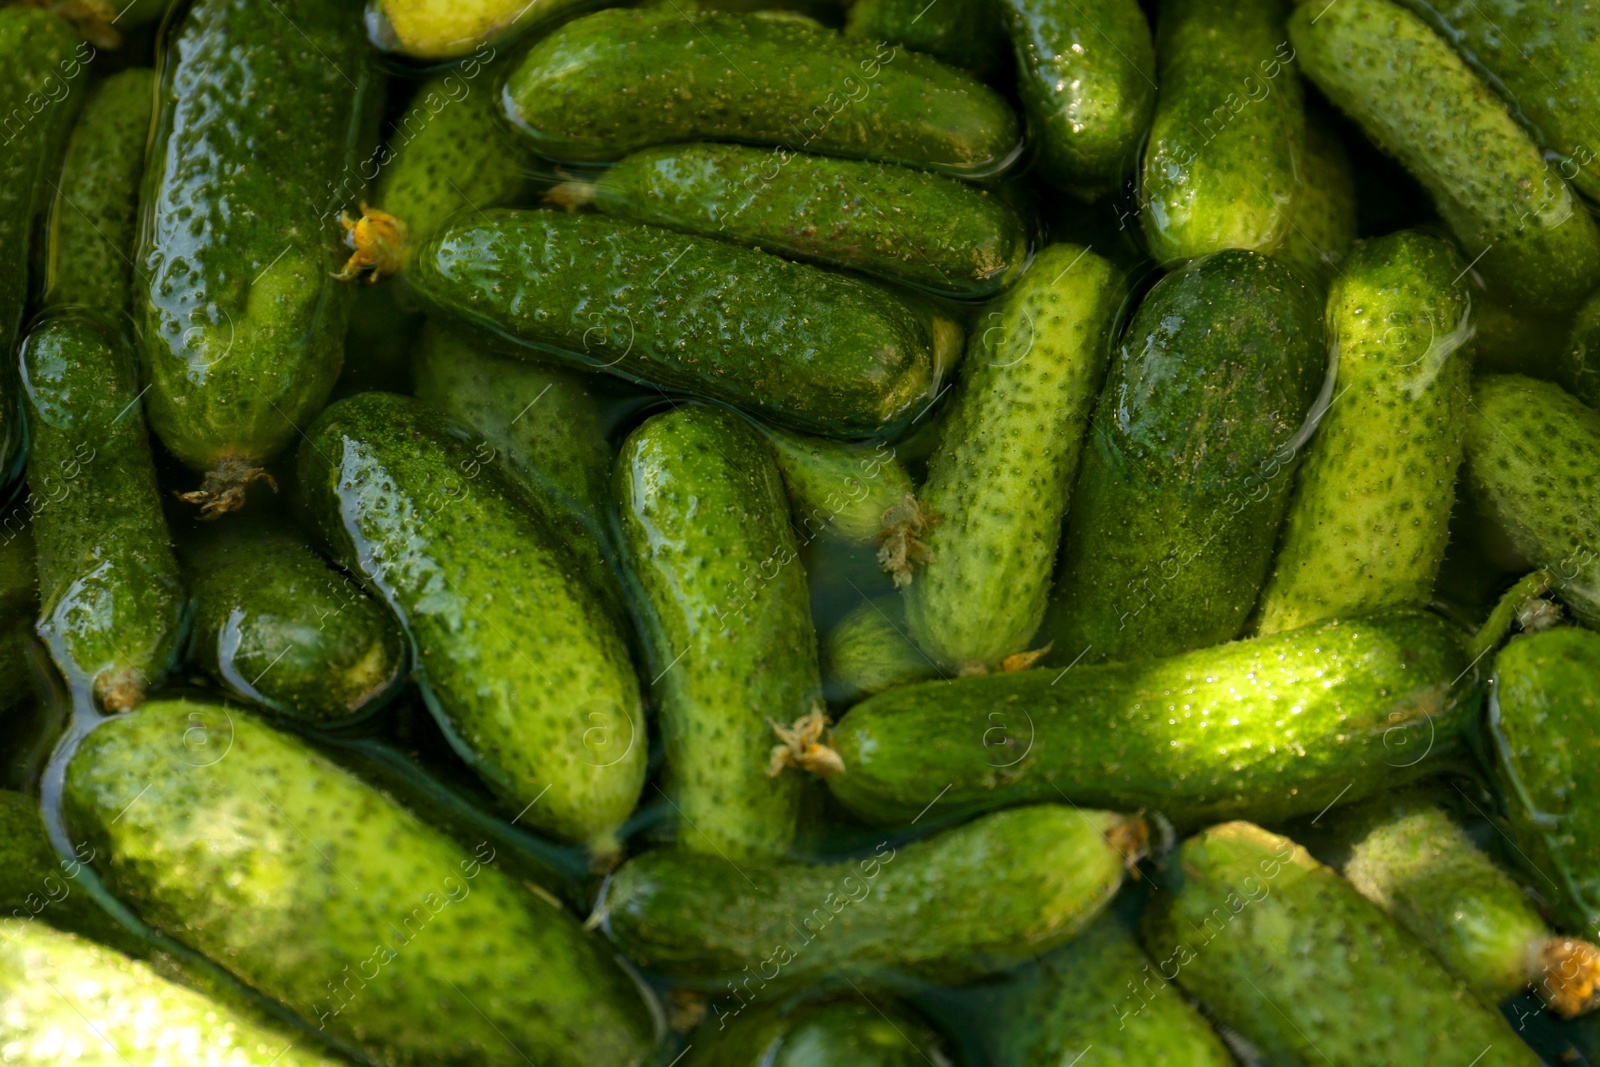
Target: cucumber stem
(1569, 972)
(1511, 609)
(223, 489)
(379, 243)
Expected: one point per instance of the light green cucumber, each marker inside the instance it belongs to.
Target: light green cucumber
(1324, 223)
(963, 33)
(866, 1032)
(869, 651)
(451, 29)
(1578, 365)
(853, 491)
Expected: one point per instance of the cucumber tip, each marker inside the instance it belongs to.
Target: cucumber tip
(1570, 975)
(121, 690)
(223, 488)
(378, 243)
(900, 544)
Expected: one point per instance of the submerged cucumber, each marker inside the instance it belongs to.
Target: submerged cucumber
(1324, 223)
(1578, 365)
(861, 1033)
(869, 651)
(841, 488)
(450, 29)
(19, 578)
(963, 33)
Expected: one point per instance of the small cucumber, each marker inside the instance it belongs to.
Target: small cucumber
(953, 907)
(1176, 512)
(611, 83)
(852, 491)
(869, 651)
(319, 877)
(998, 484)
(1228, 139)
(789, 342)
(451, 29)
(409, 504)
(861, 1033)
(112, 607)
(1578, 366)
(1421, 103)
(963, 33)
(1284, 951)
(1368, 524)
(1324, 223)
(905, 225)
(1267, 728)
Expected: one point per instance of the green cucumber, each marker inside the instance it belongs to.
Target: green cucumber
(843, 489)
(789, 342)
(1284, 951)
(37, 884)
(962, 33)
(1578, 365)
(998, 484)
(243, 322)
(961, 904)
(862, 1033)
(1265, 728)
(111, 603)
(1324, 223)
(1508, 340)
(19, 578)
(1227, 141)
(610, 83)
(1420, 102)
(1176, 512)
(905, 225)
(328, 896)
(1368, 524)
(869, 651)
(411, 506)
(450, 29)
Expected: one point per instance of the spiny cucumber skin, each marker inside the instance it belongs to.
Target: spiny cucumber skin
(901, 224)
(839, 487)
(863, 1033)
(800, 346)
(111, 597)
(707, 541)
(450, 29)
(869, 651)
(1533, 455)
(516, 656)
(1222, 166)
(1423, 105)
(1282, 950)
(1368, 523)
(1578, 366)
(967, 902)
(962, 33)
(998, 484)
(323, 893)
(616, 81)
(1324, 223)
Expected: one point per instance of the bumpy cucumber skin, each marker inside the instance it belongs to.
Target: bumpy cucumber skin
(1423, 105)
(1533, 454)
(837, 487)
(1265, 728)
(450, 29)
(998, 484)
(111, 603)
(1324, 223)
(905, 225)
(1367, 528)
(411, 506)
(1086, 76)
(963, 33)
(1222, 167)
(956, 906)
(319, 876)
(869, 651)
(275, 625)
(1281, 949)
(1176, 512)
(797, 345)
(243, 321)
(870, 1033)
(619, 80)
(1578, 366)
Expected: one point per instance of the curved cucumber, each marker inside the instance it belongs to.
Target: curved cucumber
(112, 608)
(840, 488)
(450, 29)
(869, 651)
(616, 81)
(414, 508)
(963, 33)
(997, 485)
(862, 1033)
(1324, 223)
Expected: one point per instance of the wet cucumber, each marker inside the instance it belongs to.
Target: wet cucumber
(789, 342)
(1578, 366)
(37, 885)
(869, 651)
(862, 1033)
(450, 29)
(963, 33)
(331, 898)
(416, 510)
(111, 604)
(1324, 223)
(620, 80)
(844, 489)
(19, 578)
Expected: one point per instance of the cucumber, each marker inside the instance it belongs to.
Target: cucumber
(1228, 138)
(37, 884)
(1265, 728)
(904, 225)
(243, 322)
(706, 535)
(1508, 340)
(998, 484)
(111, 603)
(1284, 951)
(1368, 524)
(276, 626)
(800, 346)
(869, 651)
(851, 491)
(1578, 365)
(1177, 509)
(1420, 102)
(19, 578)
(962, 33)
(961, 904)
(866, 1033)
(331, 898)
(1086, 78)
(450, 29)
(616, 81)
(415, 509)
(1324, 223)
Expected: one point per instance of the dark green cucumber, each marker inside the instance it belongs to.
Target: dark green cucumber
(1284, 951)
(845, 489)
(36, 884)
(1176, 512)
(964, 903)
(862, 1033)
(111, 604)
(517, 658)
(276, 625)
(1324, 223)
(19, 578)
(963, 33)
(904, 225)
(792, 343)
(243, 321)
(869, 651)
(331, 898)
(1509, 340)
(1265, 728)
(450, 29)
(616, 81)
(1578, 366)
